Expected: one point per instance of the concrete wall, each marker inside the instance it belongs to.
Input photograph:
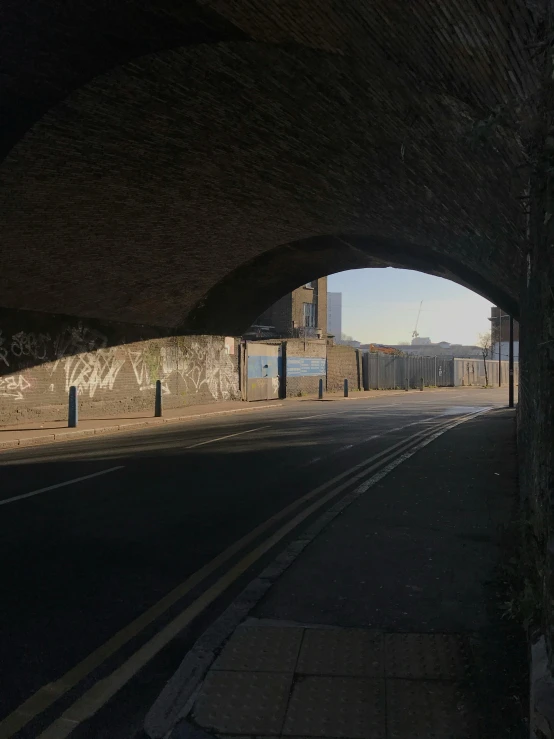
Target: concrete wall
(298, 348)
(37, 369)
(343, 362)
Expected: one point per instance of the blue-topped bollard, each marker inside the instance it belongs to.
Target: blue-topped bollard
(73, 411)
(320, 395)
(346, 388)
(158, 401)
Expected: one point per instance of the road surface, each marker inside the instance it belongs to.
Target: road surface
(118, 551)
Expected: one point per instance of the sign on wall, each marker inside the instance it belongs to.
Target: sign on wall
(306, 366)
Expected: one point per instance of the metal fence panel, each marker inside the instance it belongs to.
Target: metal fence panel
(389, 372)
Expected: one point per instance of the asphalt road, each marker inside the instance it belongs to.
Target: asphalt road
(96, 532)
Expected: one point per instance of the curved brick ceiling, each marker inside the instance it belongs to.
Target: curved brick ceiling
(150, 180)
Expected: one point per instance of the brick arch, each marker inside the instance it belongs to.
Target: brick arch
(49, 49)
(233, 304)
(143, 191)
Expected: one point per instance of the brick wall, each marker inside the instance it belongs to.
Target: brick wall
(37, 369)
(296, 386)
(343, 362)
(287, 313)
(279, 315)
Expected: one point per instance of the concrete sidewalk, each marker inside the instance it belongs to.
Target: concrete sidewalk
(388, 625)
(29, 434)
(46, 432)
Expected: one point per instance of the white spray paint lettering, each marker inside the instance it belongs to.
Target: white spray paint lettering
(30, 345)
(13, 386)
(93, 371)
(3, 351)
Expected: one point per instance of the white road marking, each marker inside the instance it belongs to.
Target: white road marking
(319, 415)
(59, 485)
(313, 461)
(229, 436)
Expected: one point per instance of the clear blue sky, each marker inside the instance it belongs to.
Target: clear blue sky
(381, 305)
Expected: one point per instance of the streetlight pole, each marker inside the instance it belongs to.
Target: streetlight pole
(499, 347)
(511, 377)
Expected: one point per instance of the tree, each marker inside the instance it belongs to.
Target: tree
(485, 344)
(344, 339)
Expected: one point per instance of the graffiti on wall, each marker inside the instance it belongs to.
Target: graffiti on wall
(200, 365)
(30, 345)
(80, 356)
(93, 371)
(13, 387)
(3, 351)
(203, 365)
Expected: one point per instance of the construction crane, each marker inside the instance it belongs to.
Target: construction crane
(415, 333)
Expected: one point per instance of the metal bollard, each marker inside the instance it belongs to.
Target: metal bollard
(158, 401)
(73, 412)
(346, 388)
(320, 395)
(407, 385)
(421, 388)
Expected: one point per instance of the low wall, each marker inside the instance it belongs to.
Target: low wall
(111, 380)
(305, 364)
(343, 363)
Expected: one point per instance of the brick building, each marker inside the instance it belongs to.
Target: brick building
(301, 313)
(498, 316)
(334, 315)
(500, 325)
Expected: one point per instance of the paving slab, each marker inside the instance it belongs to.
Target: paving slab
(352, 707)
(243, 702)
(430, 710)
(342, 652)
(418, 656)
(261, 649)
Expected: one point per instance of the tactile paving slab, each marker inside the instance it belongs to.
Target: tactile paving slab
(421, 656)
(243, 702)
(352, 707)
(261, 648)
(347, 652)
(419, 709)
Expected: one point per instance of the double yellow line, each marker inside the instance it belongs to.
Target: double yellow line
(96, 696)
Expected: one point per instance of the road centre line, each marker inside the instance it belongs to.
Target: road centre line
(229, 436)
(51, 692)
(16, 498)
(102, 691)
(372, 437)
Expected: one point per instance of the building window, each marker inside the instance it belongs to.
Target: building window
(309, 315)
